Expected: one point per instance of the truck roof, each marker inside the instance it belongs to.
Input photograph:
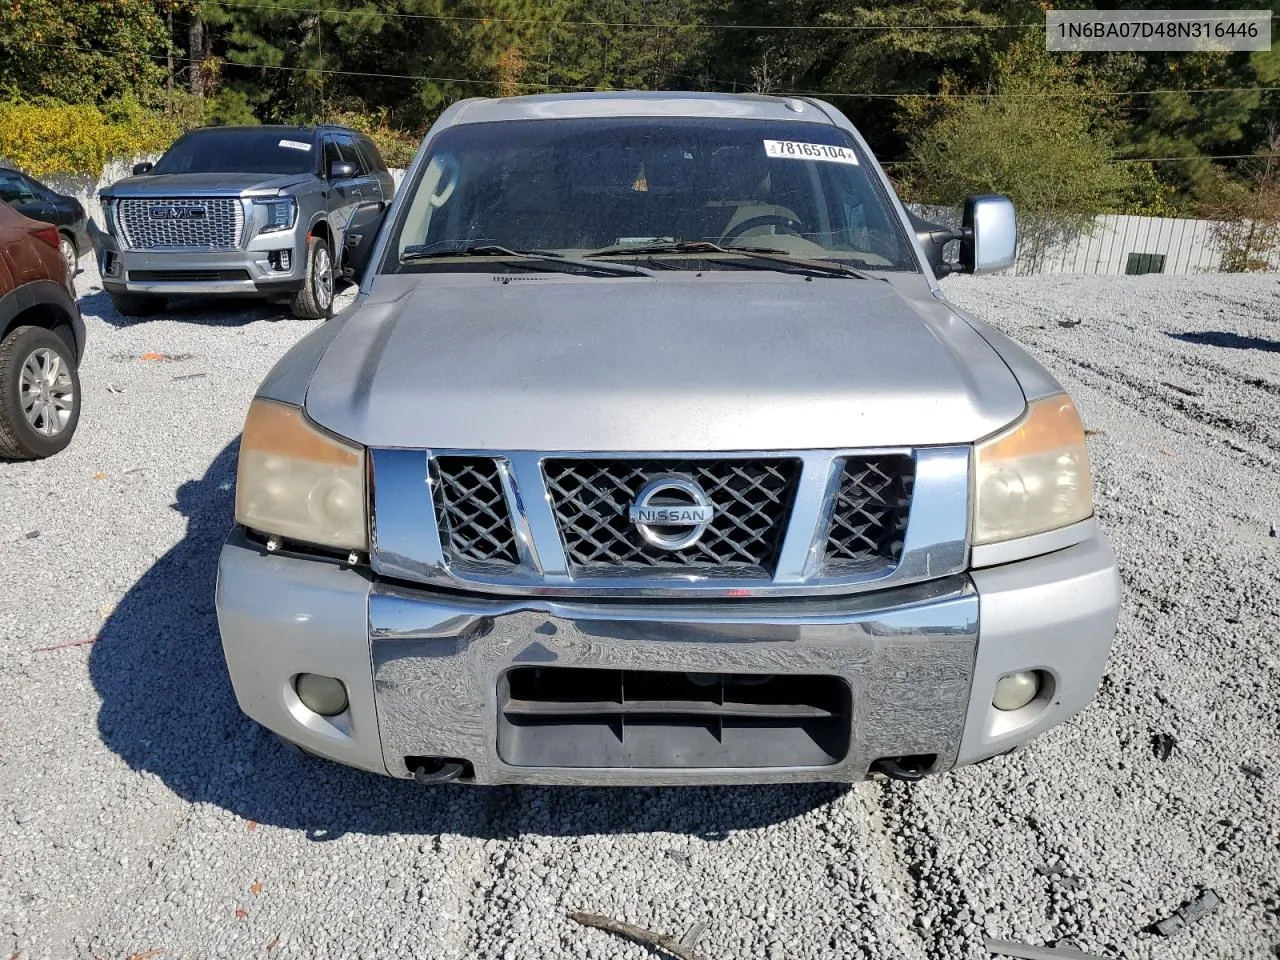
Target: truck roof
(746, 106)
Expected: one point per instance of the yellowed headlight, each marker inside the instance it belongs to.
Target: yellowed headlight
(298, 482)
(1033, 477)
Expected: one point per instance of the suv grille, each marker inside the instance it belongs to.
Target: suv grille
(869, 516)
(475, 525)
(206, 224)
(752, 500)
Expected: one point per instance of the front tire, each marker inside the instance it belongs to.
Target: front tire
(136, 304)
(315, 300)
(39, 394)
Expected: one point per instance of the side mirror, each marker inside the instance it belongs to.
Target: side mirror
(988, 237)
(990, 234)
(141, 168)
(340, 170)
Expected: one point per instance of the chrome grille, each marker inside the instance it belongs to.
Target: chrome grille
(752, 500)
(471, 507)
(869, 515)
(146, 223)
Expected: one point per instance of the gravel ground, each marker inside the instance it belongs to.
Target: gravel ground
(141, 816)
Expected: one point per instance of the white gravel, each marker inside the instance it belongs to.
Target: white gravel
(142, 816)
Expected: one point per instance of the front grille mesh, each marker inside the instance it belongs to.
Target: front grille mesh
(752, 500)
(471, 508)
(869, 516)
(220, 228)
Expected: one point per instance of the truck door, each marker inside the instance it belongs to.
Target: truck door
(367, 213)
(344, 193)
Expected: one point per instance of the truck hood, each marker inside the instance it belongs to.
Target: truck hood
(202, 184)
(718, 362)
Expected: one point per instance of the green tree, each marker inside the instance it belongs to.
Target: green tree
(618, 45)
(303, 59)
(892, 49)
(76, 52)
(1040, 136)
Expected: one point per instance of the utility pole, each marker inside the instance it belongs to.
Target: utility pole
(195, 48)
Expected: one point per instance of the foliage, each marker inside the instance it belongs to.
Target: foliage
(46, 139)
(294, 59)
(1038, 139)
(391, 67)
(77, 52)
(396, 146)
(1248, 213)
(620, 45)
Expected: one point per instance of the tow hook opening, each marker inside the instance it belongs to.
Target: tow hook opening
(909, 768)
(439, 769)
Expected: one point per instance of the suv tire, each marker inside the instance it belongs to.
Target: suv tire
(315, 300)
(37, 369)
(136, 304)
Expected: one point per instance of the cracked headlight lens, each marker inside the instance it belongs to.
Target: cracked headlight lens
(1034, 476)
(297, 482)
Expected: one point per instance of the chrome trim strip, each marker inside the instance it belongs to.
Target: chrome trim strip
(196, 288)
(810, 519)
(406, 540)
(539, 517)
(526, 547)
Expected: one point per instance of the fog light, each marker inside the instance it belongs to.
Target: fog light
(324, 695)
(1015, 690)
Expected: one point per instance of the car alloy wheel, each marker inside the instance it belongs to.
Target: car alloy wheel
(46, 392)
(68, 251)
(322, 277)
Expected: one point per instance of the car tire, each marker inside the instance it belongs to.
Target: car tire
(136, 304)
(315, 300)
(70, 253)
(39, 394)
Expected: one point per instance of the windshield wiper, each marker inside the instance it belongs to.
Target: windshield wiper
(430, 251)
(769, 254)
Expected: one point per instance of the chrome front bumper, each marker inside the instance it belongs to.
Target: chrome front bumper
(422, 669)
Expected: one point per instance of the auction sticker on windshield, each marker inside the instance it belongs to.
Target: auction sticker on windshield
(794, 150)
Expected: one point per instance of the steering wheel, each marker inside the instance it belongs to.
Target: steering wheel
(792, 227)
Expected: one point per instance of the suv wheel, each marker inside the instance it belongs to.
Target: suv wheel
(39, 394)
(315, 300)
(136, 304)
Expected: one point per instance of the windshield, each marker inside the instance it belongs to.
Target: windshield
(591, 186)
(240, 151)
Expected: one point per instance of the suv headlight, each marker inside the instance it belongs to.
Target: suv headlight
(279, 214)
(298, 482)
(1034, 476)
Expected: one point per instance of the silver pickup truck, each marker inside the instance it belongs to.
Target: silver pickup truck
(264, 211)
(650, 452)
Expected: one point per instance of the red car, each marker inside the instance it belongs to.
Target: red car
(41, 341)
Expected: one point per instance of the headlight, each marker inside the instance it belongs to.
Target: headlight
(1034, 476)
(297, 482)
(279, 214)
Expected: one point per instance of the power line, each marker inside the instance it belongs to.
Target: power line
(1225, 16)
(830, 94)
(654, 25)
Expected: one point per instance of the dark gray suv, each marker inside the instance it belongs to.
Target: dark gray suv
(268, 211)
